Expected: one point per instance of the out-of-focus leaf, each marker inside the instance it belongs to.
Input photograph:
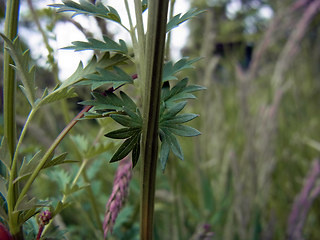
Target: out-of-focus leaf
(93, 44)
(3, 187)
(85, 7)
(4, 154)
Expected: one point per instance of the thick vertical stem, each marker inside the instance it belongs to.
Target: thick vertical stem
(155, 41)
(9, 108)
(9, 84)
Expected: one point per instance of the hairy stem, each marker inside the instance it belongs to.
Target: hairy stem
(155, 41)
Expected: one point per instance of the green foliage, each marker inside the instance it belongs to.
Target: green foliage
(107, 46)
(170, 69)
(117, 78)
(85, 7)
(105, 62)
(178, 19)
(22, 65)
(171, 122)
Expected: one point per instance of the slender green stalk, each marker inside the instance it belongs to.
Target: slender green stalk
(155, 41)
(48, 154)
(11, 187)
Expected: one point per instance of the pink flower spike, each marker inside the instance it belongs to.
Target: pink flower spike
(119, 194)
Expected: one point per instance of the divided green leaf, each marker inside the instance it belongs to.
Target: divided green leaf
(171, 120)
(117, 78)
(126, 147)
(93, 44)
(105, 62)
(23, 67)
(110, 104)
(85, 7)
(179, 92)
(178, 19)
(170, 69)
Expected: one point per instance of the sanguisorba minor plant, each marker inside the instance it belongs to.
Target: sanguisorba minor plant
(156, 120)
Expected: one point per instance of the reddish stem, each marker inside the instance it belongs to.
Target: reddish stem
(41, 227)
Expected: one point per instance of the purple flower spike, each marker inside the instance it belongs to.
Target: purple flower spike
(119, 194)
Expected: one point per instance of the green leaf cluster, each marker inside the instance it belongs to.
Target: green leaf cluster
(124, 111)
(171, 121)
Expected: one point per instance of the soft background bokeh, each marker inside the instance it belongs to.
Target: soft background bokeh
(246, 176)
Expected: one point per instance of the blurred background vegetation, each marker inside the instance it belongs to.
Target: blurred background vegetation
(254, 168)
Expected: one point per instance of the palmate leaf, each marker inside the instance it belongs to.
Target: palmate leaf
(85, 7)
(93, 44)
(117, 78)
(170, 69)
(179, 92)
(23, 67)
(178, 19)
(171, 121)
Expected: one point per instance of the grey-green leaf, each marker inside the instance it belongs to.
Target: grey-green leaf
(164, 150)
(85, 7)
(181, 118)
(93, 44)
(170, 69)
(182, 130)
(117, 78)
(178, 19)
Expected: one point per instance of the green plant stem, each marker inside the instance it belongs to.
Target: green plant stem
(48, 154)
(11, 186)
(9, 83)
(9, 108)
(155, 41)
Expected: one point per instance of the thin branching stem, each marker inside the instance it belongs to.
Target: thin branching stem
(49, 153)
